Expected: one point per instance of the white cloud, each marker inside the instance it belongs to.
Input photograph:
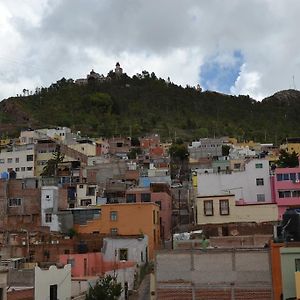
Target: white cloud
(42, 40)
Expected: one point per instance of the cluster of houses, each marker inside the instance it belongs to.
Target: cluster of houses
(103, 210)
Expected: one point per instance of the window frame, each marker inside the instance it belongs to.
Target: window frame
(205, 209)
(221, 209)
(113, 216)
(260, 181)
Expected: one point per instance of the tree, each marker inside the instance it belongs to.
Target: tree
(288, 160)
(50, 168)
(106, 288)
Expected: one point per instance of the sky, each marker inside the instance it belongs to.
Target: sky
(248, 47)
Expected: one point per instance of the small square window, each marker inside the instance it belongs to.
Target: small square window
(145, 197)
(123, 254)
(48, 218)
(260, 197)
(259, 166)
(114, 231)
(259, 181)
(297, 264)
(71, 261)
(9, 160)
(22, 169)
(113, 215)
(29, 157)
(17, 159)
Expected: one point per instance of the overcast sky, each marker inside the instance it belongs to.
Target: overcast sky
(235, 46)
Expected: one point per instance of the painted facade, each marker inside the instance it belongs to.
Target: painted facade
(160, 194)
(221, 209)
(127, 219)
(286, 188)
(86, 194)
(55, 282)
(251, 185)
(19, 159)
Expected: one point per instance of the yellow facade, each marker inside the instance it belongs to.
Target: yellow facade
(236, 213)
(128, 219)
(87, 149)
(291, 147)
(297, 284)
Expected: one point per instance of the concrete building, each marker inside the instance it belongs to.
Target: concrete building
(286, 188)
(53, 283)
(206, 147)
(251, 185)
(49, 207)
(127, 219)
(160, 194)
(19, 159)
(223, 274)
(222, 209)
(86, 194)
(126, 248)
(58, 133)
(3, 283)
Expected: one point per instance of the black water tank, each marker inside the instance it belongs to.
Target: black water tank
(291, 224)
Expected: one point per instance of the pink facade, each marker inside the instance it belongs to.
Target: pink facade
(286, 188)
(91, 264)
(160, 194)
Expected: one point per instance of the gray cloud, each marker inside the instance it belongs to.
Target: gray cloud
(45, 40)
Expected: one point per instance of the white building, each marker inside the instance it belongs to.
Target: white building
(49, 207)
(86, 194)
(251, 185)
(241, 152)
(52, 283)
(130, 248)
(19, 159)
(58, 133)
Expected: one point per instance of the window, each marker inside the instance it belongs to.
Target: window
(53, 292)
(113, 215)
(293, 176)
(259, 166)
(279, 177)
(114, 231)
(296, 193)
(260, 197)
(71, 261)
(145, 197)
(17, 169)
(22, 169)
(224, 207)
(130, 198)
(29, 157)
(154, 235)
(81, 186)
(2, 161)
(286, 176)
(236, 166)
(297, 265)
(142, 256)
(208, 208)
(15, 202)
(123, 254)
(259, 181)
(85, 202)
(153, 216)
(17, 159)
(48, 218)
(91, 191)
(284, 194)
(29, 168)
(9, 160)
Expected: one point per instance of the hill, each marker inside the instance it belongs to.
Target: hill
(144, 104)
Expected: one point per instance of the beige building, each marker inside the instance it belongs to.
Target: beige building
(220, 209)
(86, 194)
(88, 149)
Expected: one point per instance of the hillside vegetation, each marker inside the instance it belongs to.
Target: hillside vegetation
(144, 104)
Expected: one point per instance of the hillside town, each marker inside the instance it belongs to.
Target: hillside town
(218, 221)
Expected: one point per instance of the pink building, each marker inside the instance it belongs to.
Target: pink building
(160, 194)
(286, 188)
(92, 264)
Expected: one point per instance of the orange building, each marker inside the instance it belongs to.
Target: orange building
(128, 219)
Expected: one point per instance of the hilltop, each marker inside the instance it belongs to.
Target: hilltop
(121, 105)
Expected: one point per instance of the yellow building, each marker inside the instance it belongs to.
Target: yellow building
(221, 209)
(128, 219)
(291, 145)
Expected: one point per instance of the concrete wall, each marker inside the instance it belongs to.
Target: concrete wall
(22, 277)
(288, 256)
(242, 184)
(49, 205)
(46, 277)
(214, 269)
(3, 283)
